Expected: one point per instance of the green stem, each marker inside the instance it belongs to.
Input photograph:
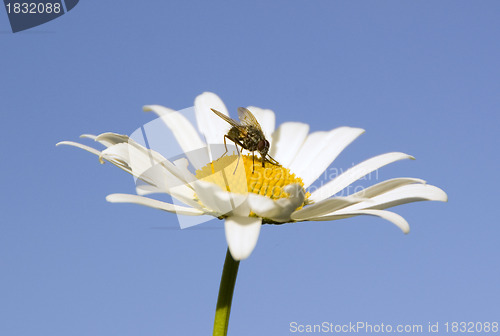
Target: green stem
(225, 298)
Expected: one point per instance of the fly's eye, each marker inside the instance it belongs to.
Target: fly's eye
(262, 144)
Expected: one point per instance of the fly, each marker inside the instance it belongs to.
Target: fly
(248, 134)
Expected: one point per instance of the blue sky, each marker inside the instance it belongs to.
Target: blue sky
(420, 76)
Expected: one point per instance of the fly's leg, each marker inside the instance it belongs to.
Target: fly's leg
(225, 145)
(271, 160)
(253, 162)
(237, 162)
(236, 142)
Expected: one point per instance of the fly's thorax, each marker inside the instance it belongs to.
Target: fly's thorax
(252, 139)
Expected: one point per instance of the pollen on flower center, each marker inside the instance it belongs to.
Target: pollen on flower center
(235, 174)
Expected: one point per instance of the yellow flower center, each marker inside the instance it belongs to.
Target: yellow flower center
(244, 174)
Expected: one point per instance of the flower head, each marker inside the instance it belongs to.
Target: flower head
(239, 190)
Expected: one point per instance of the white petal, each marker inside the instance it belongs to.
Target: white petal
(385, 186)
(312, 160)
(183, 131)
(314, 144)
(209, 124)
(277, 210)
(355, 173)
(163, 180)
(396, 219)
(266, 119)
(126, 198)
(166, 182)
(119, 156)
(287, 140)
(88, 136)
(133, 159)
(76, 144)
(219, 201)
(126, 151)
(264, 206)
(160, 175)
(402, 195)
(138, 160)
(109, 139)
(242, 234)
(182, 168)
(324, 207)
(179, 171)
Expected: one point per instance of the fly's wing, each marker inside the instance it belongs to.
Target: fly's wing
(231, 122)
(248, 119)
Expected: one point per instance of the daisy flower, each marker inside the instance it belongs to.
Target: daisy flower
(243, 193)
